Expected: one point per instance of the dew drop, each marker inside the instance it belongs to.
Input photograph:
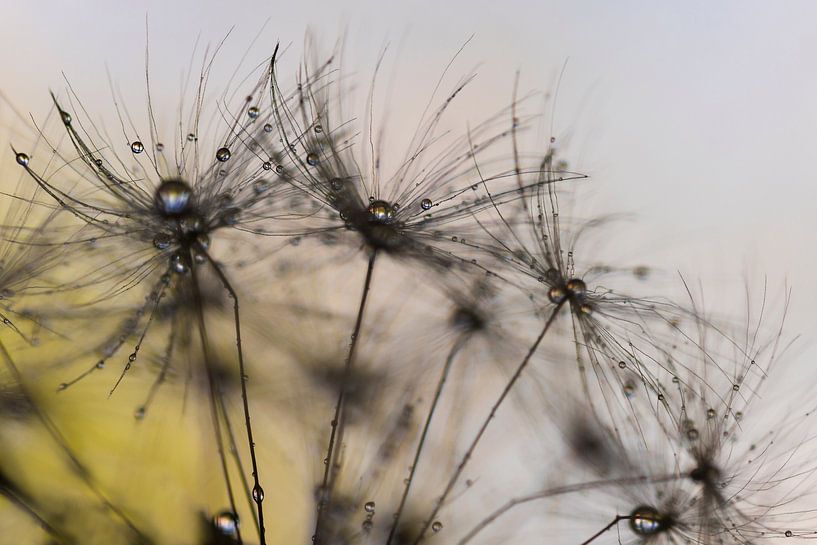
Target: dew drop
(191, 137)
(380, 212)
(736, 387)
(318, 129)
(436, 526)
(267, 127)
(692, 434)
(710, 413)
(66, 118)
(178, 264)
(22, 159)
(173, 198)
(226, 522)
(258, 494)
(137, 147)
(789, 533)
(426, 204)
(139, 413)
(160, 147)
(557, 295)
(312, 159)
(647, 521)
(629, 389)
(267, 165)
(576, 287)
(369, 507)
(223, 154)
(279, 169)
(622, 364)
(253, 112)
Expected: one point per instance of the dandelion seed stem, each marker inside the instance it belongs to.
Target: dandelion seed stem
(244, 398)
(437, 394)
(338, 421)
(214, 407)
(469, 452)
(561, 491)
(615, 521)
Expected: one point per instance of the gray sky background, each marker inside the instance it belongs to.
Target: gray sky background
(699, 118)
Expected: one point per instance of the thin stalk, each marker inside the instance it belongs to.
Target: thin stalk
(468, 453)
(615, 521)
(338, 420)
(258, 491)
(211, 382)
(437, 394)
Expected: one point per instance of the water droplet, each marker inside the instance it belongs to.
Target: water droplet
(253, 112)
(647, 521)
(312, 159)
(622, 364)
(586, 308)
(629, 389)
(436, 526)
(173, 198)
(267, 165)
(692, 434)
(260, 186)
(160, 147)
(367, 525)
(369, 507)
(230, 216)
(318, 129)
(710, 413)
(178, 264)
(258, 494)
(738, 415)
(223, 154)
(557, 295)
(226, 522)
(380, 212)
(789, 533)
(139, 413)
(736, 387)
(162, 241)
(137, 147)
(426, 204)
(66, 118)
(279, 169)
(576, 287)
(267, 127)
(22, 159)
(191, 137)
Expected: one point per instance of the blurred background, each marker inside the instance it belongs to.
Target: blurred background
(698, 120)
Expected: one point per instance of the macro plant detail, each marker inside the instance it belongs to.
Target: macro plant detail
(322, 337)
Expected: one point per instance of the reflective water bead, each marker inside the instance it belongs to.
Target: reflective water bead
(258, 494)
(426, 204)
(318, 129)
(369, 507)
(137, 147)
(267, 165)
(622, 364)
(253, 112)
(380, 212)
(267, 127)
(226, 522)
(66, 118)
(223, 154)
(710, 413)
(173, 198)
(191, 137)
(436, 526)
(576, 287)
(22, 159)
(279, 169)
(160, 147)
(646, 521)
(178, 264)
(789, 533)
(162, 241)
(557, 294)
(312, 159)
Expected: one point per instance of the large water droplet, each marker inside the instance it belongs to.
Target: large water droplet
(258, 494)
(426, 204)
(226, 522)
(312, 159)
(223, 154)
(647, 521)
(66, 118)
(557, 295)
(22, 159)
(267, 127)
(369, 507)
(436, 526)
(380, 212)
(137, 147)
(253, 112)
(173, 198)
